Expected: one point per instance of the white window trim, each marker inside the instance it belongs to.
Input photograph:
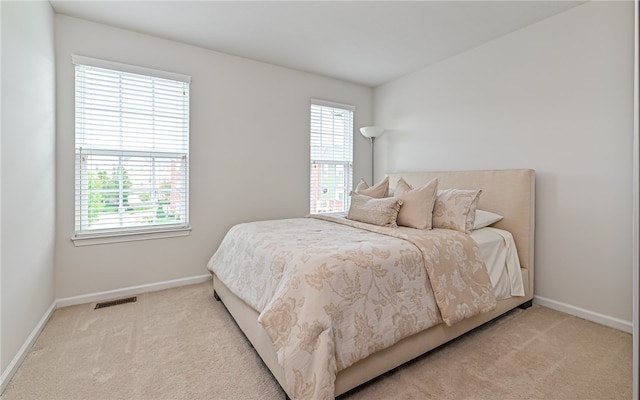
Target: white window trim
(134, 69)
(333, 104)
(350, 164)
(118, 236)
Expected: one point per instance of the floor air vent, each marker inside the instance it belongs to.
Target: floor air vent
(116, 302)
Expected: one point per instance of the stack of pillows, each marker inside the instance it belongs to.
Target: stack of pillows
(425, 207)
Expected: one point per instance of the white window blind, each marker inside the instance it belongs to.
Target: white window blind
(331, 156)
(131, 149)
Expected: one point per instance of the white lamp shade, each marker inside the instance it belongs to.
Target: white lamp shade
(371, 131)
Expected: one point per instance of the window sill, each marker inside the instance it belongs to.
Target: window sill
(339, 214)
(106, 238)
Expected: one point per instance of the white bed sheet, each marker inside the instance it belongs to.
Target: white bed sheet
(498, 250)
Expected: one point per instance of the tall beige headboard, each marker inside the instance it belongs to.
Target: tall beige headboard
(509, 192)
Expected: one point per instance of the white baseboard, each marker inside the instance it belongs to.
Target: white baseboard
(24, 350)
(626, 326)
(130, 291)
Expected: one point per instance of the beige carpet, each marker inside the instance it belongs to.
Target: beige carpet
(182, 344)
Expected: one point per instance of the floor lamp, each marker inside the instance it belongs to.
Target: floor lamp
(371, 132)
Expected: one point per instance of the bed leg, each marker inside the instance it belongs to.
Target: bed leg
(215, 296)
(526, 305)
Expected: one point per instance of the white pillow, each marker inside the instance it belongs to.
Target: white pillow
(485, 218)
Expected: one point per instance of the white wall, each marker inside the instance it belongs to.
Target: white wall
(249, 152)
(557, 97)
(27, 180)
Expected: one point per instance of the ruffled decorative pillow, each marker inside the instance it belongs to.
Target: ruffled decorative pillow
(417, 204)
(382, 212)
(456, 209)
(378, 191)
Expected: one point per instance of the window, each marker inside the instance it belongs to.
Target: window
(131, 150)
(331, 156)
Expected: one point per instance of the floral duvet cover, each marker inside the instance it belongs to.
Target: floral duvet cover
(332, 291)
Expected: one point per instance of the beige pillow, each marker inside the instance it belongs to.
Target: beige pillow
(456, 209)
(378, 191)
(417, 204)
(383, 212)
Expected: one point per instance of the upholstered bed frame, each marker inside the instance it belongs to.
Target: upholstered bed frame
(510, 193)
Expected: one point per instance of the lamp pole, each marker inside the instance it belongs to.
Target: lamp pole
(371, 132)
(373, 175)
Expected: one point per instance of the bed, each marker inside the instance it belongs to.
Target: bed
(509, 193)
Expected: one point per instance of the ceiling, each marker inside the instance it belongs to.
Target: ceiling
(366, 42)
